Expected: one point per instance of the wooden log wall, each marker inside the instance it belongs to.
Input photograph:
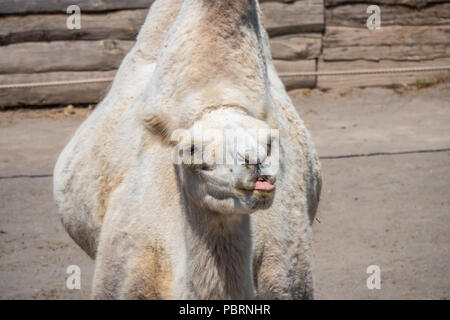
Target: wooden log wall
(305, 36)
(413, 33)
(36, 46)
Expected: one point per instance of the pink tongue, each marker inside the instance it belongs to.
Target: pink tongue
(264, 186)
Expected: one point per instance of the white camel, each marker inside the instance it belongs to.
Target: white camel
(161, 229)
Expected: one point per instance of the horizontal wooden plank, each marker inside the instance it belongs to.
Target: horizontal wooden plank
(52, 95)
(296, 66)
(286, 18)
(387, 52)
(355, 15)
(375, 80)
(63, 56)
(94, 92)
(390, 43)
(392, 35)
(52, 6)
(409, 3)
(294, 47)
(121, 25)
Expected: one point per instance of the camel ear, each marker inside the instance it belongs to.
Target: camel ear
(161, 126)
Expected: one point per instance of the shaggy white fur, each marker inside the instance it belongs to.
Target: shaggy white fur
(164, 230)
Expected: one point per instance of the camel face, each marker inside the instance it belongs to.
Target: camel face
(228, 162)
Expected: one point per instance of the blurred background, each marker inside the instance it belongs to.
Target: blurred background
(383, 138)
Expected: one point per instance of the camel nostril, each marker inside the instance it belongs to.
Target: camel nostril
(263, 177)
(249, 159)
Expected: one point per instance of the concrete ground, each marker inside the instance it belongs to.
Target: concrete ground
(391, 210)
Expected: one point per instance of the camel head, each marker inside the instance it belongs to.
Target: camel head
(227, 160)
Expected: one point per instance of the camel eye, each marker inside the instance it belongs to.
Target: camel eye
(206, 167)
(269, 148)
(188, 150)
(189, 155)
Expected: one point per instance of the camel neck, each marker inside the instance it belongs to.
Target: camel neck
(218, 255)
